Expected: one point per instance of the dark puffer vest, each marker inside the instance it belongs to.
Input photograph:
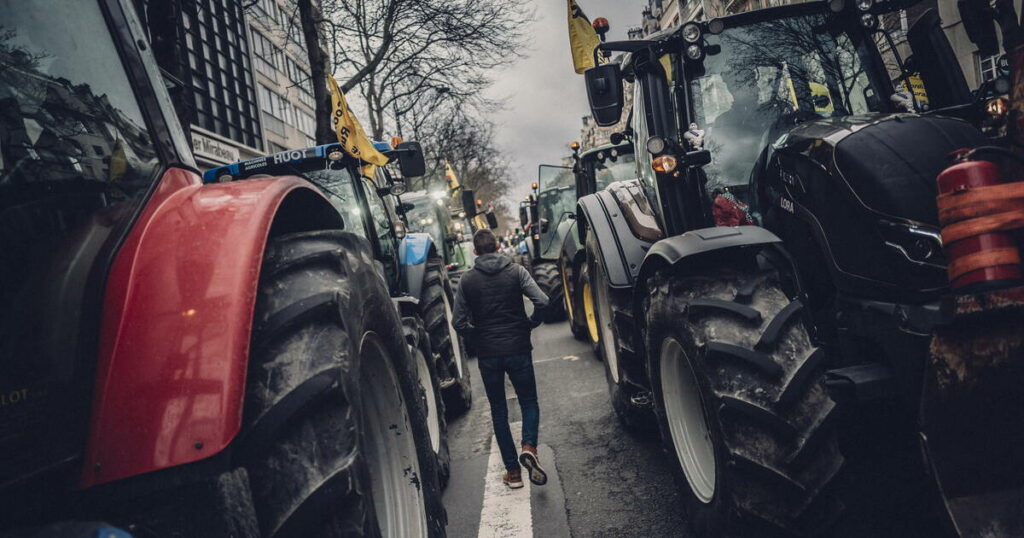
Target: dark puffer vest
(494, 294)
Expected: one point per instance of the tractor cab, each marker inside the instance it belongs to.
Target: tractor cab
(790, 114)
(367, 205)
(556, 204)
(599, 167)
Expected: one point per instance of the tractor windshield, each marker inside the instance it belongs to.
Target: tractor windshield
(608, 171)
(424, 218)
(760, 79)
(556, 201)
(340, 190)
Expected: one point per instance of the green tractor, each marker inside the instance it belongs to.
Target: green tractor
(768, 290)
(549, 214)
(594, 169)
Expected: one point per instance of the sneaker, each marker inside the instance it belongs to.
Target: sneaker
(531, 461)
(513, 479)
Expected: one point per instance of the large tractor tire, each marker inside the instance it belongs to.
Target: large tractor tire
(436, 300)
(546, 275)
(430, 383)
(631, 406)
(741, 405)
(337, 442)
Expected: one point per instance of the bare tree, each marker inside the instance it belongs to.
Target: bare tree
(398, 52)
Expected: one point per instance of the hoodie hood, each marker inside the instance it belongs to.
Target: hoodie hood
(492, 263)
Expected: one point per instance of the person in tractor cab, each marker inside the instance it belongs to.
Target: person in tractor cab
(489, 310)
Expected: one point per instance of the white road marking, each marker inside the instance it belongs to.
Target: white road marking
(506, 512)
(565, 358)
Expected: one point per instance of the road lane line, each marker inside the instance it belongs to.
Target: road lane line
(506, 512)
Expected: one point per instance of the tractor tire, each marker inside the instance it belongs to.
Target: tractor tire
(572, 298)
(436, 300)
(546, 275)
(337, 442)
(430, 383)
(741, 405)
(637, 418)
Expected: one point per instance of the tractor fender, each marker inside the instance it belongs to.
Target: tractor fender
(413, 254)
(177, 320)
(673, 250)
(622, 252)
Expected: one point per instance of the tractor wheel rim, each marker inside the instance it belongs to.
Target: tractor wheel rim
(566, 295)
(687, 422)
(453, 336)
(588, 311)
(390, 448)
(430, 403)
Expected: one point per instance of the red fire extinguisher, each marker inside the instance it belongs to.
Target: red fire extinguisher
(980, 215)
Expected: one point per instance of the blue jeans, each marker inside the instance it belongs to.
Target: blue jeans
(520, 371)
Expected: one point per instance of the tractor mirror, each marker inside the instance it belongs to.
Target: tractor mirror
(492, 221)
(604, 90)
(410, 159)
(543, 226)
(468, 203)
(940, 71)
(697, 158)
(980, 24)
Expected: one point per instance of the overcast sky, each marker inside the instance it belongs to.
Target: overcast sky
(544, 98)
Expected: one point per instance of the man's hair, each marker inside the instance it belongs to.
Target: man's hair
(484, 242)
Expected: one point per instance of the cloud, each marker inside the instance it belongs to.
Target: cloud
(544, 98)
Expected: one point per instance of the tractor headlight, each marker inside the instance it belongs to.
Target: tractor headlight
(694, 52)
(918, 245)
(656, 145)
(869, 21)
(836, 6)
(691, 32)
(865, 5)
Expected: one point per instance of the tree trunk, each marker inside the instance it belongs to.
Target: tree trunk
(310, 18)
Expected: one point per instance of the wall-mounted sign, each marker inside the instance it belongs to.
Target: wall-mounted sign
(213, 149)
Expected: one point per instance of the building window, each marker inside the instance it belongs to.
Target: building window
(988, 67)
(218, 70)
(268, 56)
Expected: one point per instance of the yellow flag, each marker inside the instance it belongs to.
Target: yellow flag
(449, 174)
(350, 133)
(582, 39)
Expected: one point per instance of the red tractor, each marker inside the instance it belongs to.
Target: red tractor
(182, 359)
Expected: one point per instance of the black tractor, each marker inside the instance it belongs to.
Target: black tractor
(594, 169)
(767, 289)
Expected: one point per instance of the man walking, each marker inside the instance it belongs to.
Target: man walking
(489, 311)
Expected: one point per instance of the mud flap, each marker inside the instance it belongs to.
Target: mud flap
(972, 414)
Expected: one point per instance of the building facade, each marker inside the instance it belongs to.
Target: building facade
(240, 74)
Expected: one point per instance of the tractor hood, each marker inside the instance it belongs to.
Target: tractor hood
(890, 162)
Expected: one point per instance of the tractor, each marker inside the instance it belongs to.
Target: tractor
(431, 214)
(768, 289)
(546, 216)
(594, 170)
(414, 264)
(180, 357)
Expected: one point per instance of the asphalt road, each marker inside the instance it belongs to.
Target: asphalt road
(604, 481)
